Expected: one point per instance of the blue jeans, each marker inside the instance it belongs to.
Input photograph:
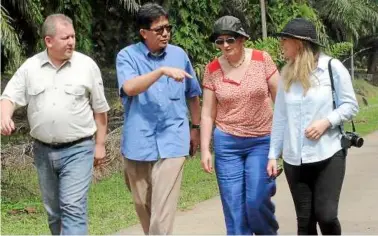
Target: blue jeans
(64, 178)
(244, 185)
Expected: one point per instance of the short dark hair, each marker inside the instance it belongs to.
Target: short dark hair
(148, 13)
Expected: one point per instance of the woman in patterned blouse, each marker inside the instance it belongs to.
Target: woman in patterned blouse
(239, 87)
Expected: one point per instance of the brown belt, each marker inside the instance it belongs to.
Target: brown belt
(64, 145)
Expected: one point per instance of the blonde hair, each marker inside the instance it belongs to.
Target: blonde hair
(299, 69)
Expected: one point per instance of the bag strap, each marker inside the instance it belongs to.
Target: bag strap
(341, 127)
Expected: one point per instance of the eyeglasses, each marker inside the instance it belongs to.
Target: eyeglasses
(221, 41)
(160, 30)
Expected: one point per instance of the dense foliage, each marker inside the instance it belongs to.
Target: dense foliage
(103, 27)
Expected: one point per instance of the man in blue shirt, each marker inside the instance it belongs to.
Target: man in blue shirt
(157, 85)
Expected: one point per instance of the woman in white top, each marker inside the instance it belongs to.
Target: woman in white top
(306, 128)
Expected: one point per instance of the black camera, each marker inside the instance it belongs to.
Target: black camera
(350, 139)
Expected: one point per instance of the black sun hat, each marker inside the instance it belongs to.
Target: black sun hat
(227, 25)
(302, 29)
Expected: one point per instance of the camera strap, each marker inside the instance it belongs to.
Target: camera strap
(341, 127)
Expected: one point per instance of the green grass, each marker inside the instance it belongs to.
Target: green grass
(366, 120)
(110, 204)
(363, 87)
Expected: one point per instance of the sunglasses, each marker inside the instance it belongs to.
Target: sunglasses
(160, 30)
(230, 40)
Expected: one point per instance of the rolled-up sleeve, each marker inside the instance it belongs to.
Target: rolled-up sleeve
(126, 69)
(347, 106)
(15, 91)
(98, 99)
(193, 88)
(279, 123)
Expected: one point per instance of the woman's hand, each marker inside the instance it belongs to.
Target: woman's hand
(317, 129)
(207, 161)
(272, 168)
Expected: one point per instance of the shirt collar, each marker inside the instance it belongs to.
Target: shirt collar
(148, 53)
(323, 61)
(45, 59)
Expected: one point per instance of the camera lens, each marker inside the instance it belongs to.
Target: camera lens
(359, 142)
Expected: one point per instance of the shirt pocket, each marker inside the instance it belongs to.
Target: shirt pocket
(36, 97)
(175, 89)
(75, 95)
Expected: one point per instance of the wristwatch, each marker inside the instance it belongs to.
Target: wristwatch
(195, 126)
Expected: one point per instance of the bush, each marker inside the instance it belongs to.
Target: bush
(270, 45)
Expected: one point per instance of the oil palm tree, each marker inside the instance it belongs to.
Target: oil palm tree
(348, 19)
(130, 5)
(23, 13)
(10, 42)
(21, 21)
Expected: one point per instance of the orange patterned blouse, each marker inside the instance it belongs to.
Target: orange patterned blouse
(244, 106)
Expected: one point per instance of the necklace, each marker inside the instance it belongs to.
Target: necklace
(238, 64)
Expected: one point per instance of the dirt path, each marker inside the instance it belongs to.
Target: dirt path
(358, 204)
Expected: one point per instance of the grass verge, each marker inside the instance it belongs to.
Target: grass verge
(366, 120)
(110, 205)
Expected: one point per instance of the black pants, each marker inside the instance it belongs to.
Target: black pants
(315, 189)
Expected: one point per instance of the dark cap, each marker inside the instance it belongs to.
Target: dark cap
(227, 25)
(302, 29)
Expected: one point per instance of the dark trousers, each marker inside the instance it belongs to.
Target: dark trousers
(315, 189)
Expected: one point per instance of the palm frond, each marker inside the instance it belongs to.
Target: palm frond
(370, 21)
(29, 10)
(130, 5)
(353, 18)
(238, 9)
(10, 42)
(58, 6)
(82, 17)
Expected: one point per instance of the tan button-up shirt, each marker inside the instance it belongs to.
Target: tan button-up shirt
(61, 101)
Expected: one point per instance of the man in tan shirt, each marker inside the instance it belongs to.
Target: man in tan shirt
(66, 107)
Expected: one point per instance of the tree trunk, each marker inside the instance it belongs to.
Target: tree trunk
(263, 19)
(373, 65)
(373, 61)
